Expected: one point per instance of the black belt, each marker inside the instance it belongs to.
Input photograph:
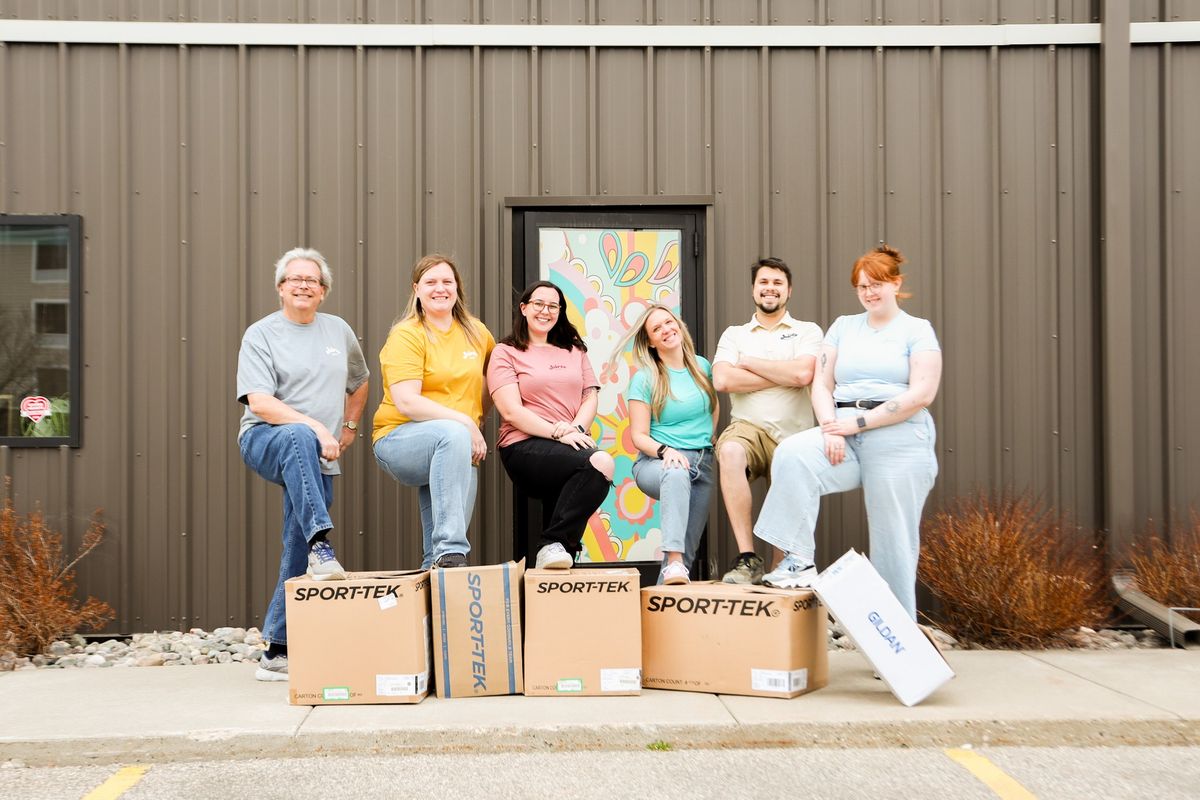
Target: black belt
(863, 404)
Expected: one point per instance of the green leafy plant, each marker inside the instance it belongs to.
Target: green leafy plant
(1168, 566)
(1007, 574)
(56, 423)
(37, 583)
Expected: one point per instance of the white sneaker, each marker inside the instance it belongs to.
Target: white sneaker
(272, 669)
(674, 574)
(323, 564)
(792, 573)
(554, 556)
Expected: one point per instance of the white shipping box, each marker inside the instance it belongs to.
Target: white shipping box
(861, 601)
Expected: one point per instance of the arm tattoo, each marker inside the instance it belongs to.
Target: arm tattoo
(892, 407)
(824, 360)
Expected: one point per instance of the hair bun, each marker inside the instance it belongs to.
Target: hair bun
(888, 250)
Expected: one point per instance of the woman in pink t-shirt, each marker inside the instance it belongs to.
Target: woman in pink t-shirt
(545, 390)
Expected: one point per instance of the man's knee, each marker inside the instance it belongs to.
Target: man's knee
(603, 464)
(731, 457)
(302, 435)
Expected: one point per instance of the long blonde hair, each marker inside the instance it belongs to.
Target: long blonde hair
(462, 316)
(648, 358)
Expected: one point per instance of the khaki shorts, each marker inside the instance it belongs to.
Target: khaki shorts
(758, 444)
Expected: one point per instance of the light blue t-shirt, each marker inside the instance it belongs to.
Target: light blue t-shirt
(873, 364)
(686, 422)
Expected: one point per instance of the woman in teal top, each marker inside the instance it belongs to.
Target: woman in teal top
(672, 412)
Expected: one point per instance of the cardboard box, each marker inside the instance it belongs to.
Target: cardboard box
(860, 600)
(361, 640)
(731, 639)
(583, 632)
(477, 630)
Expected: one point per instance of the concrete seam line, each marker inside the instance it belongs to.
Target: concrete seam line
(118, 783)
(990, 775)
(1095, 682)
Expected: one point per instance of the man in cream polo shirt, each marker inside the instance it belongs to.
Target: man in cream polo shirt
(766, 366)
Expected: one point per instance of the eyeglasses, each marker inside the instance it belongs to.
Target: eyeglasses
(301, 281)
(875, 287)
(541, 305)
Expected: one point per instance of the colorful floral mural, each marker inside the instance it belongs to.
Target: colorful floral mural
(608, 277)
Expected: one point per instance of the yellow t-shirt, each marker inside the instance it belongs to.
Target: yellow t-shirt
(449, 367)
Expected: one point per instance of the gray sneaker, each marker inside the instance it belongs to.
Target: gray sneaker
(792, 573)
(554, 556)
(271, 669)
(323, 564)
(450, 560)
(746, 570)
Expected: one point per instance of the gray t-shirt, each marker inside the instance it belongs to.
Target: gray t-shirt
(309, 367)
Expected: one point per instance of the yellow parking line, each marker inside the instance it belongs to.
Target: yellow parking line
(121, 782)
(991, 775)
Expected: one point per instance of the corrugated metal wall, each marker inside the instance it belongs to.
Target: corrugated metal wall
(194, 167)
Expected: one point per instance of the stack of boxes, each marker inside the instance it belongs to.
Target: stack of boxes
(380, 637)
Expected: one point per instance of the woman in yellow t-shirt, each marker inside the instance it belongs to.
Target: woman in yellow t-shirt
(428, 427)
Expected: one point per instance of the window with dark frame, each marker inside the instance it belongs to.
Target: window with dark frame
(40, 315)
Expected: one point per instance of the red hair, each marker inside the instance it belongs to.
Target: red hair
(881, 264)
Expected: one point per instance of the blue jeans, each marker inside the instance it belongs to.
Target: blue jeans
(434, 456)
(289, 455)
(894, 465)
(682, 495)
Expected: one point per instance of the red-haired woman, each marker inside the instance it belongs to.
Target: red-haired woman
(876, 374)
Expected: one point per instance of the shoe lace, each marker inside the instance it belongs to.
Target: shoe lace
(323, 551)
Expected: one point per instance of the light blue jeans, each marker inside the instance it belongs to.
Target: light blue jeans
(434, 456)
(894, 465)
(290, 455)
(682, 495)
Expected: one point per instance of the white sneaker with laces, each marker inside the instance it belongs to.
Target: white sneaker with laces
(272, 669)
(674, 574)
(554, 556)
(792, 573)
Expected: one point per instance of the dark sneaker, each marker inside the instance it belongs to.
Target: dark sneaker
(323, 564)
(271, 669)
(450, 561)
(745, 570)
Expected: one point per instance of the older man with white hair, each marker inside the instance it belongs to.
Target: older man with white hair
(303, 379)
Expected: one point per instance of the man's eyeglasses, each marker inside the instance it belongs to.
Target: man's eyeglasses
(301, 281)
(540, 305)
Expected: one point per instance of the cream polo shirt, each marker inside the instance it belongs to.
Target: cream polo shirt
(779, 410)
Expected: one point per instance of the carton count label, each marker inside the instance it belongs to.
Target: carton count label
(569, 685)
(386, 602)
(330, 693)
(778, 680)
(621, 680)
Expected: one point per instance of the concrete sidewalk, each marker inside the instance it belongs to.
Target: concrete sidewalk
(82, 716)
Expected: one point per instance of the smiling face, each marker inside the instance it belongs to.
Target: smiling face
(771, 290)
(876, 295)
(662, 330)
(301, 291)
(437, 290)
(541, 311)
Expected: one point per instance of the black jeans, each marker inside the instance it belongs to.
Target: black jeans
(564, 479)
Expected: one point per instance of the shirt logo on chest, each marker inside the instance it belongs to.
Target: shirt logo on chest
(468, 354)
(332, 351)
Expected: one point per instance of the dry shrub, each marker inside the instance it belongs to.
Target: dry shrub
(1168, 570)
(1007, 574)
(37, 583)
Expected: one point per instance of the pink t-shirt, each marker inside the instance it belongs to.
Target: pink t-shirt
(551, 381)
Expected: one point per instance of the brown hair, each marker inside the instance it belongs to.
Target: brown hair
(470, 324)
(881, 264)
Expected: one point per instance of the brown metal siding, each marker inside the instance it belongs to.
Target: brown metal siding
(195, 167)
